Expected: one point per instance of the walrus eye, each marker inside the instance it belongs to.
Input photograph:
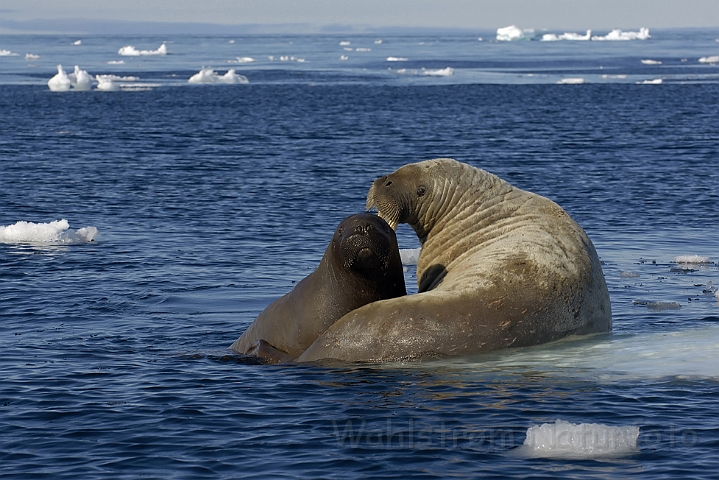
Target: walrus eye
(421, 190)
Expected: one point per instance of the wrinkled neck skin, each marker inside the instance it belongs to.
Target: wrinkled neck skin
(448, 200)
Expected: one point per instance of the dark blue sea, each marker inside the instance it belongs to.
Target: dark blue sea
(211, 200)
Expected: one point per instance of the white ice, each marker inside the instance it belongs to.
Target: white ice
(654, 81)
(80, 79)
(242, 60)
(651, 62)
(712, 59)
(106, 83)
(130, 51)
(579, 441)
(697, 259)
(31, 56)
(441, 72)
(397, 59)
(77, 42)
(553, 37)
(642, 34)
(409, 256)
(571, 81)
(46, 233)
(60, 82)
(512, 32)
(209, 76)
(8, 53)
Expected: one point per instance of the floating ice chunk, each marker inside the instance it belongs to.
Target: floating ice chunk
(116, 62)
(628, 275)
(695, 259)
(397, 59)
(242, 60)
(585, 440)
(345, 42)
(651, 62)
(442, 72)
(344, 57)
(712, 59)
(77, 42)
(655, 81)
(571, 81)
(106, 83)
(81, 80)
(53, 232)
(642, 34)
(378, 41)
(363, 49)
(60, 82)
(409, 256)
(209, 76)
(130, 51)
(657, 306)
(8, 53)
(31, 56)
(512, 32)
(553, 37)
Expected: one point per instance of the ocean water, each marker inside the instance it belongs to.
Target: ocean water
(161, 218)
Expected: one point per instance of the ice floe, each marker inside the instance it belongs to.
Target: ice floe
(130, 51)
(562, 439)
(618, 35)
(46, 233)
(209, 76)
(553, 37)
(712, 59)
(513, 32)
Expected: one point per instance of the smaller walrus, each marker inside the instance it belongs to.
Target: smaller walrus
(361, 265)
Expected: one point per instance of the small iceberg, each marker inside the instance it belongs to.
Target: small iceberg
(209, 76)
(242, 60)
(130, 51)
(46, 233)
(512, 32)
(77, 42)
(31, 56)
(553, 37)
(8, 53)
(397, 59)
(655, 81)
(106, 83)
(712, 59)
(409, 256)
(442, 72)
(570, 81)
(651, 62)
(80, 79)
(60, 82)
(618, 35)
(579, 441)
(693, 259)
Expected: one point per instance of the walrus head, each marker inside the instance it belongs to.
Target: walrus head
(366, 243)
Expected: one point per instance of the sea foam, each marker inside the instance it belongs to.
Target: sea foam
(579, 441)
(46, 233)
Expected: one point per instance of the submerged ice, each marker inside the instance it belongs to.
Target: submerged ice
(585, 440)
(46, 233)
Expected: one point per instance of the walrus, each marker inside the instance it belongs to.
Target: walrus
(361, 265)
(499, 267)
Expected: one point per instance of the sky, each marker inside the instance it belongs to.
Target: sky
(326, 15)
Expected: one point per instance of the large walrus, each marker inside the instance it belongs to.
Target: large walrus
(361, 265)
(499, 267)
